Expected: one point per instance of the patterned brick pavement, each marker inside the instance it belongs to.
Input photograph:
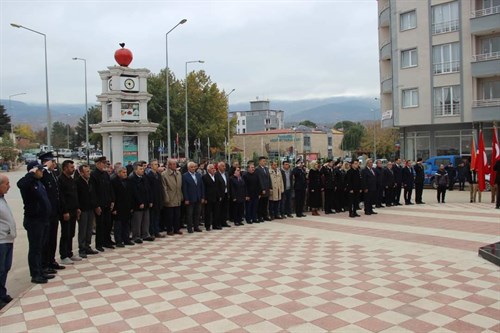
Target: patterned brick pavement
(407, 269)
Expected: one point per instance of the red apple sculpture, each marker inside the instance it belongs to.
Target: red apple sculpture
(123, 56)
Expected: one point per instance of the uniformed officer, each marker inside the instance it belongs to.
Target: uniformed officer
(37, 211)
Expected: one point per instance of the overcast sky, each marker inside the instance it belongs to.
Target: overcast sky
(271, 49)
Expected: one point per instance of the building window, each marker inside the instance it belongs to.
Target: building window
(447, 101)
(330, 141)
(446, 58)
(243, 131)
(409, 58)
(408, 20)
(489, 48)
(445, 18)
(243, 122)
(307, 141)
(410, 98)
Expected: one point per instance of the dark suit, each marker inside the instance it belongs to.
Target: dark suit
(49, 180)
(122, 210)
(238, 195)
(141, 197)
(419, 182)
(300, 187)
(389, 186)
(353, 187)
(369, 179)
(286, 200)
(329, 186)
(101, 183)
(398, 179)
(213, 197)
(379, 197)
(265, 186)
(193, 192)
(223, 190)
(408, 183)
(252, 185)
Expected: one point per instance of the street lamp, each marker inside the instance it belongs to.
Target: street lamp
(86, 111)
(67, 119)
(186, 145)
(11, 113)
(374, 133)
(228, 132)
(294, 138)
(49, 117)
(169, 140)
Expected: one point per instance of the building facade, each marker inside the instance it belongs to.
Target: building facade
(439, 73)
(259, 118)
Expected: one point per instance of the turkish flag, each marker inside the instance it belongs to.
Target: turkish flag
(495, 155)
(481, 163)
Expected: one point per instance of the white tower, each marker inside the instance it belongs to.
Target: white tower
(125, 126)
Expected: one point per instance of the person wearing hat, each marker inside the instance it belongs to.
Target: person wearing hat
(300, 187)
(49, 180)
(37, 211)
(105, 199)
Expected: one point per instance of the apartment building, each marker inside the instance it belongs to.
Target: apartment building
(259, 118)
(439, 73)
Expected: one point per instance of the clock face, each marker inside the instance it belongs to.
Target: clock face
(129, 84)
(110, 84)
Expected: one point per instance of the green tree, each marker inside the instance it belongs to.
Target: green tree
(24, 131)
(345, 125)
(352, 137)
(7, 151)
(60, 135)
(4, 121)
(308, 123)
(95, 117)
(385, 139)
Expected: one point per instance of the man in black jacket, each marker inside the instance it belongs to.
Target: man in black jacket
(262, 172)
(286, 200)
(419, 181)
(369, 178)
(214, 192)
(223, 190)
(123, 208)
(408, 182)
(398, 179)
(37, 210)
(86, 204)
(379, 196)
(389, 184)
(105, 200)
(156, 192)
(353, 187)
(300, 187)
(338, 180)
(139, 186)
(68, 202)
(253, 191)
(328, 184)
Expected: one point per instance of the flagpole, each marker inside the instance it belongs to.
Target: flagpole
(208, 149)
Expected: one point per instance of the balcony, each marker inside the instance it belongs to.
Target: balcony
(386, 51)
(486, 109)
(384, 18)
(386, 86)
(486, 65)
(484, 21)
(447, 110)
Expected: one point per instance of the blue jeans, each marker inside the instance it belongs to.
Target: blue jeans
(6, 250)
(286, 203)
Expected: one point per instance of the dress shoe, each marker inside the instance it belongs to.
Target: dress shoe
(198, 230)
(7, 299)
(290, 215)
(82, 255)
(149, 239)
(120, 245)
(138, 241)
(249, 222)
(160, 235)
(55, 265)
(190, 231)
(112, 243)
(49, 271)
(170, 233)
(226, 225)
(129, 242)
(99, 248)
(76, 258)
(67, 261)
(268, 218)
(178, 232)
(357, 215)
(368, 213)
(374, 213)
(48, 276)
(39, 279)
(109, 246)
(208, 229)
(352, 215)
(278, 217)
(217, 228)
(91, 251)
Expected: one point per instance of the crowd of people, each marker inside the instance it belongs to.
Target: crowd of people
(145, 201)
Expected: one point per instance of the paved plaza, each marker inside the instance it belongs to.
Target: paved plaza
(407, 269)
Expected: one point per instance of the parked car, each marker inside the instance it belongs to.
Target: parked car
(64, 152)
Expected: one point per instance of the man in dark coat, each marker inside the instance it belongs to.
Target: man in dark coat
(419, 181)
(389, 184)
(369, 178)
(262, 172)
(452, 175)
(327, 177)
(139, 186)
(408, 182)
(86, 204)
(379, 173)
(286, 200)
(156, 192)
(237, 196)
(123, 208)
(69, 212)
(338, 180)
(105, 200)
(49, 181)
(37, 210)
(300, 187)
(398, 179)
(214, 192)
(193, 192)
(354, 187)
(223, 190)
(252, 185)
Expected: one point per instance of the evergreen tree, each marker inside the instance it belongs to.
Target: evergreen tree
(4, 121)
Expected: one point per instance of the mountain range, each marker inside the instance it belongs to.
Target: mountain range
(321, 111)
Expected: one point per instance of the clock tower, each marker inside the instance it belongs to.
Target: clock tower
(124, 105)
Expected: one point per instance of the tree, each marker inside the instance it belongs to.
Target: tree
(4, 121)
(95, 117)
(60, 135)
(385, 139)
(352, 137)
(25, 131)
(7, 151)
(307, 123)
(345, 125)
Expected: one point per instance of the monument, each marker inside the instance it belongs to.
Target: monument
(124, 105)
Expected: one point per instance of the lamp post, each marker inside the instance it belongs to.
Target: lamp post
(10, 111)
(374, 133)
(67, 119)
(86, 111)
(49, 117)
(169, 140)
(228, 132)
(293, 146)
(186, 143)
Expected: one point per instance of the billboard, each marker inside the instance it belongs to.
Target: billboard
(130, 111)
(130, 152)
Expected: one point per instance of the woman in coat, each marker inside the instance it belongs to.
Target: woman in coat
(314, 189)
(442, 180)
(277, 189)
